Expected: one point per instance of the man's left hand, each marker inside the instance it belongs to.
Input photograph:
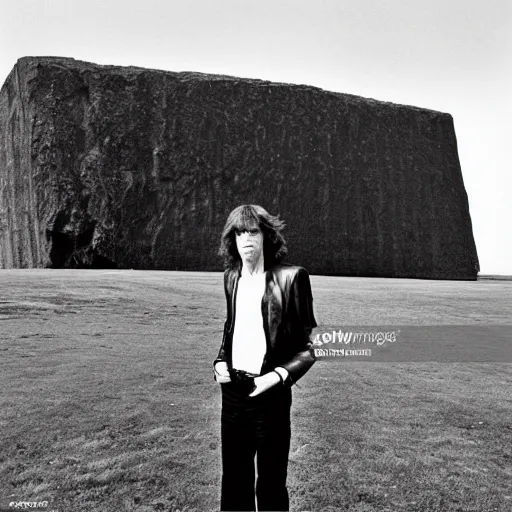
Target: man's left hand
(265, 382)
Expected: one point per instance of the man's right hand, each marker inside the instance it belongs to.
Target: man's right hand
(222, 372)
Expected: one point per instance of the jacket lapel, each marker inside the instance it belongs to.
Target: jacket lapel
(272, 309)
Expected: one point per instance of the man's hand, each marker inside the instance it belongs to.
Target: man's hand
(222, 372)
(264, 382)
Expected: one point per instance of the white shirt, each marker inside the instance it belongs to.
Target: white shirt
(249, 341)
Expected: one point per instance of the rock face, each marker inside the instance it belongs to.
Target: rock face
(107, 166)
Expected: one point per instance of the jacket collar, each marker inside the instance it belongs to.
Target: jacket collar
(237, 268)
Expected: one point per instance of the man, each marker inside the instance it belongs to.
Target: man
(266, 348)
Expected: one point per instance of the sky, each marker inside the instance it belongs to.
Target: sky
(448, 55)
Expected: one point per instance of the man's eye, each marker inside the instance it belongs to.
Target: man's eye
(254, 231)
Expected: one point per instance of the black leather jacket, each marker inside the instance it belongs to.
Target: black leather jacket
(288, 319)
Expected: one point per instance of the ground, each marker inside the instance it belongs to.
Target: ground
(108, 401)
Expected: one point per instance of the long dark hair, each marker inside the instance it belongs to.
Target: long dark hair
(247, 217)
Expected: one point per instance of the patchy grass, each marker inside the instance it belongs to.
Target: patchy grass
(108, 402)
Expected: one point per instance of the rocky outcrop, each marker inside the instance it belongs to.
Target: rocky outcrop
(129, 167)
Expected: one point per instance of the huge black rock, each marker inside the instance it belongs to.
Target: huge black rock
(130, 167)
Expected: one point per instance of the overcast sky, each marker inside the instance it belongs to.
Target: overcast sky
(448, 55)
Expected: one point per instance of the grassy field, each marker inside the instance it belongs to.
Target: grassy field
(108, 402)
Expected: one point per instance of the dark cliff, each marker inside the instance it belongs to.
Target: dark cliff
(131, 167)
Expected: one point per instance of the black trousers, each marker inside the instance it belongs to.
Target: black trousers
(255, 427)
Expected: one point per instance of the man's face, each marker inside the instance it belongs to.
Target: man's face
(249, 244)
